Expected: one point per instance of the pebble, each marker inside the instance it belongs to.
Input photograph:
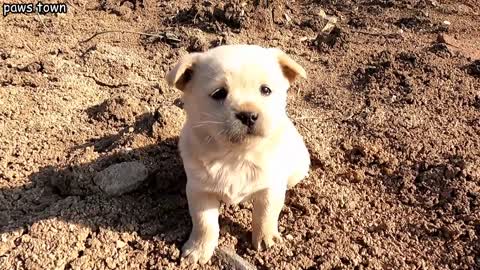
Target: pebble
(232, 260)
(331, 21)
(287, 18)
(121, 178)
(120, 244)
(357, 176)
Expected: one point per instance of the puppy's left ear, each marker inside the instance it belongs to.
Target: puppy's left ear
(182, 72)
(291, 69)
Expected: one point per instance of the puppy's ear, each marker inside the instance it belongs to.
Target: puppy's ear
(290, 68)
(182, 72)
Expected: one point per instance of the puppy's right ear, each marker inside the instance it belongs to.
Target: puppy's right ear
(290, 68)
(182, 73)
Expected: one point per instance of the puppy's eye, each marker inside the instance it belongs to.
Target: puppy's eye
(219, 94)
(264, 90)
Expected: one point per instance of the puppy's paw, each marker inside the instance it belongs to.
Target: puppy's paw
(266, 238)
(197, 251)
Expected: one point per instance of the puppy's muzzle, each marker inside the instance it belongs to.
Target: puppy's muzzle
(247, 118)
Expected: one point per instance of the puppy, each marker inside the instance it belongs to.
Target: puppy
(237, 142)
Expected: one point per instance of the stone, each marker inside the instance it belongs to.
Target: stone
(121, 178)
(120, 244)
(232, 260)
(331, 21)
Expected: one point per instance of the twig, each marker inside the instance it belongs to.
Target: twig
(195, 18)
(302, 124)
(71, 5)
(453, 45)
(305, 127)
(26, 45)
(122, 31)
(101, 83)
(368, 33)
(306, 117)
(390, 35)
(41, 21)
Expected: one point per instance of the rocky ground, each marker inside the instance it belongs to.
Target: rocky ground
(390, 112)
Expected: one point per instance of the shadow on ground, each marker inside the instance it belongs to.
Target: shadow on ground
(157, 209)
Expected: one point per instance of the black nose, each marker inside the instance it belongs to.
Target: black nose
(247, 118)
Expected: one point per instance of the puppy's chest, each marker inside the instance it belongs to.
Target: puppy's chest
(235, 180)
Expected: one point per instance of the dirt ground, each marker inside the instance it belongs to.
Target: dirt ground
(390, 113)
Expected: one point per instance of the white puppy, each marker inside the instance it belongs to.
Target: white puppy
(237, 142)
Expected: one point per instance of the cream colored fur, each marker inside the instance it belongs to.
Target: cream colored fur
(223, 161)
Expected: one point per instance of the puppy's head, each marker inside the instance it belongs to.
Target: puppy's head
(235, 93)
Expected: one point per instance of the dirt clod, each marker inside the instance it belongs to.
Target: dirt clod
(329, 39)
(118, 110)
(474, 68)
(416, 22)
(197, 44)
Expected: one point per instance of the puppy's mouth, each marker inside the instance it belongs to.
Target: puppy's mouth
(239, 133)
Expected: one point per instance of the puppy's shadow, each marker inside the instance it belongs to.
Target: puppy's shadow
(158, 208)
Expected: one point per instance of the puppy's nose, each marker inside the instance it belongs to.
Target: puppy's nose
(247, 118)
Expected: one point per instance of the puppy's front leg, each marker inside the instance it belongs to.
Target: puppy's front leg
(204, 210)
(267, 205)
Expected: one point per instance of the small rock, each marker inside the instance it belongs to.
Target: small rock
(354, 176)
(121, 178)
(33, 67)
(289, 237)
(357, 176)
(331, 21)
(231, 260)
(120, 244)
(322, 13)
(110, 263)
(320, 21)
(447, 23)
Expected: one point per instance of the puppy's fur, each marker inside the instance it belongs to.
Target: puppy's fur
(228, 159)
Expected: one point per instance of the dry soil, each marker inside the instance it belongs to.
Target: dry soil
(390, 113)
